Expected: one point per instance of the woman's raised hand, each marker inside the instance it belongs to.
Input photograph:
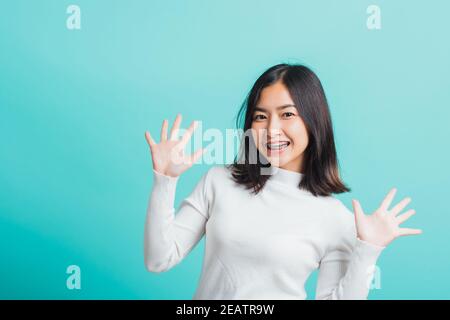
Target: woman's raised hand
(168, 156)
(382, 226)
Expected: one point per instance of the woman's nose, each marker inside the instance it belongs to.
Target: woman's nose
(274, 125)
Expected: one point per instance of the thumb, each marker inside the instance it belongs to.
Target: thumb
(196, 155)
(357, 209)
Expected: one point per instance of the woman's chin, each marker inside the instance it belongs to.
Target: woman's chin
(276, 161)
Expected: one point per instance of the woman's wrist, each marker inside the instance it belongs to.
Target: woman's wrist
(168, 176)
(373, 243)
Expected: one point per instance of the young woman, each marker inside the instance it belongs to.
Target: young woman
(269, 218)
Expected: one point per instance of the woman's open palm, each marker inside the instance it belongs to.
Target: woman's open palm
(382, 226)
(168, 156)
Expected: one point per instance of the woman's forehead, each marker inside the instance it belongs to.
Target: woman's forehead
(274, 96)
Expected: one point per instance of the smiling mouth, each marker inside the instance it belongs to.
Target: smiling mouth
(277, 146)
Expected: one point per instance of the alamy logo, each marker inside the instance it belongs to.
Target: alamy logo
(74, 278)
(373, 277)
(73, 22)
(374, 18)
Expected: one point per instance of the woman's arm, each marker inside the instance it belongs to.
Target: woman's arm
(168, 238)
(347, 270)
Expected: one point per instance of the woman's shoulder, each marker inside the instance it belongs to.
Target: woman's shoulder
(211, 182)
(218, 172)
(340, 213)
(339, 220)
(217, 183)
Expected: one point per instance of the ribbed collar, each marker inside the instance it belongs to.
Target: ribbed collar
(284, 176)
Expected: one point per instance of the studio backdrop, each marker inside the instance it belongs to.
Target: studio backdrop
(81, 81)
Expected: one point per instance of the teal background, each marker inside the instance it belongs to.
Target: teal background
(75, 171)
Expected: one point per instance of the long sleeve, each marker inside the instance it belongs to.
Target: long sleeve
(347, 269)
(169, 236)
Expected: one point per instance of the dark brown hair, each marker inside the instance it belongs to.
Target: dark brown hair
(320, 164)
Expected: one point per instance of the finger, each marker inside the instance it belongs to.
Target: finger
(400, 206)
(197, 154)
(357, 208)
(176, 127)
(187, 135)
(149, 139)
(405, 216)
(408, 231)
(164, 130)
(387, 200)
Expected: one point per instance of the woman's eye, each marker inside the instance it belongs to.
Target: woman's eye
(289, 113)
(258, 115)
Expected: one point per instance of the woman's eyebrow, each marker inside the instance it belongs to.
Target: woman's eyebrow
(278, 108)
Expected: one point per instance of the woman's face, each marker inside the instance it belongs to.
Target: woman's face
(278, 130)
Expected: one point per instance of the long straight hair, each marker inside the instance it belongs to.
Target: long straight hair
(320, 164)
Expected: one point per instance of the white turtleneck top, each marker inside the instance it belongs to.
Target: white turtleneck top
(262, 246)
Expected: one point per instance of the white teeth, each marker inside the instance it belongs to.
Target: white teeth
(277, 146)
